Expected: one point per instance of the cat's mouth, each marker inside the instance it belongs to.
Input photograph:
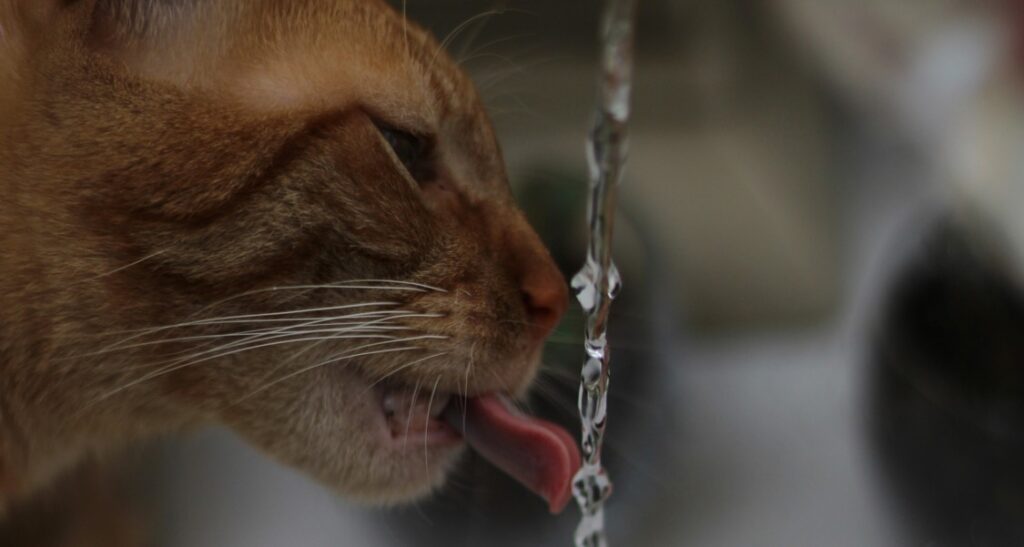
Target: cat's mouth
(539, 454)
(414, 415)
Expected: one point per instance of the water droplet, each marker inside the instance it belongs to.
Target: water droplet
(614, 282)
(591, 372)
(586, 291)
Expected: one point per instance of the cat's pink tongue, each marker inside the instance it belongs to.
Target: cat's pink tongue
(537, 453)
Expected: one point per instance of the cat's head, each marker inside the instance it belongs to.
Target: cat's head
(289, 217)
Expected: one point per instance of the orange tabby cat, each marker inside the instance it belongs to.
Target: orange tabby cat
(289, 217)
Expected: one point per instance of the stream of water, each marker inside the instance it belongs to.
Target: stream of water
(598, 282)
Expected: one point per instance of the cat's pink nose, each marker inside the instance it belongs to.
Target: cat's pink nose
(542, 286)
(545, 297)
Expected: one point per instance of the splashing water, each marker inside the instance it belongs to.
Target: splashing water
(598, 282)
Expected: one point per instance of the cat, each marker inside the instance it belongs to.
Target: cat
(288, 218)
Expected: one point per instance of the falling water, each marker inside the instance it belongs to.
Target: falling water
(598, 282)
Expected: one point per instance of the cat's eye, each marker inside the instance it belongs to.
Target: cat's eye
(414, 151)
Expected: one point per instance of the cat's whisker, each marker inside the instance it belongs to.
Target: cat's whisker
(218, 320)
(565, 338)
(355, 284)
(372, 322)
(553, 396)
(248, 334)
(285, 320)
(488, 80)
(519, 405)
(426, 427)
(500, 6)
(300, 332)
(338, 286)
(571, 380)
(511, 66)
(461, 27)
(648, 351)
(469, 367)
(503, 382)
(283, 333)
(472, 55)
(359, 284)
(377, 317)
(362, 285)
(279, 320)
(513, 322)
(469, 371)
(400, 369)
(464, 401)
(121, 268)
(282, 313)
(343, 356)
(179, 366)
(627, 346)
(335, 360)
(408, 418)
(312, 346)
(254, 342)
(400, 282)
(625, 313)
(521, 107)
(570, 377)
(405, 315)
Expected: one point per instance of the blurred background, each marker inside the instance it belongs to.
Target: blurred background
(820, 340)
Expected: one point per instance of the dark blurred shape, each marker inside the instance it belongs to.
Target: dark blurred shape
(947, 395)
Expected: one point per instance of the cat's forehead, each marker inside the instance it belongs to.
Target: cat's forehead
(329, 76)
(324, 56)
(307, 54)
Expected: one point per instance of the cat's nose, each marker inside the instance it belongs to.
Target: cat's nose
(542, 287)
(545, 296)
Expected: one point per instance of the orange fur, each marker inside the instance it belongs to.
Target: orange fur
(162, 162)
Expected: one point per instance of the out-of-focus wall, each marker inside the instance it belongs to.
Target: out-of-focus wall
(949, 75)
(731, 154)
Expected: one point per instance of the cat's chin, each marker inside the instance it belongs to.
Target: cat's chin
(413, 417)
(411, 438)
(427, 475)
